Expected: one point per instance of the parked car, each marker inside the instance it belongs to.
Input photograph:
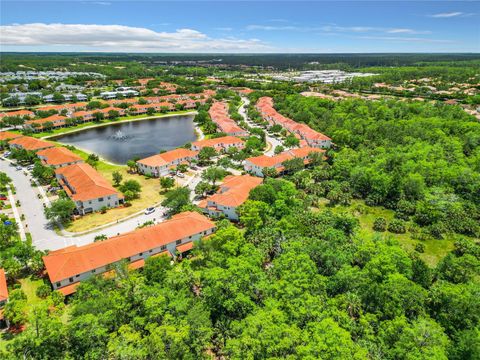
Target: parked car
(3, 197)
(180, 175)
(7, 153)
(149, 210)
(18, 168)
(30, 167)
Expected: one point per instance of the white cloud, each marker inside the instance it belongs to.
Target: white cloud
(407, 31)
(405, 39)
(447, 15)
(120, 38)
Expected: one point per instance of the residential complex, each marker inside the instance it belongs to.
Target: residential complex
(3, 288)
(58, 157)
(311, 137)
(29, 143)
(220, 144)
(67, 267)
(219, 114)
(162, 164)
(256, 165)
(233, 192)
(87, 188)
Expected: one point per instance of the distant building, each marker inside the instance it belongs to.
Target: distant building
(219, 144)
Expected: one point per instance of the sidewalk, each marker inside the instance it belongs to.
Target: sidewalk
(18, 220)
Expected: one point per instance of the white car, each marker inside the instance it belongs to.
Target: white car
(149, 210)
(18, 168)
(180, 175)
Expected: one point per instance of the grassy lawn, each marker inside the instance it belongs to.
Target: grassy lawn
(434, 249)
(149, 196)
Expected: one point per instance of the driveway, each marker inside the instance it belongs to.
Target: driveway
(44, 237)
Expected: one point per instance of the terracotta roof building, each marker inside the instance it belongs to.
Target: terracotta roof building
(87, 188)
(256, 165)
(58, 157)
(219, 114)
(39, 124)
(7, 135)
(161, 164)
(312, 137)
(219, 144)
(20, 113)
(233, 192)
(30, 143)
(68, 266)
(3, 288)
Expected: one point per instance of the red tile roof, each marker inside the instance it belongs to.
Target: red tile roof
(74, 260)
(185, 247)
(218, 142)
(31, 143)
(58, 156)
(7, 135)
(3, 286)
(168, 157)
(82, 182)
(235, 190)
(272, 161)
(19, 113)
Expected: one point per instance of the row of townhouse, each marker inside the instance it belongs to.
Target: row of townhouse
(162, 164)
(221, 144)
(233, 192)
(311, 137)
(219, 114)
(256, 165)
(89, 190)
(143, 108)
(67, 267)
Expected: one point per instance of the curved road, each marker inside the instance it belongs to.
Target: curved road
(44, 237)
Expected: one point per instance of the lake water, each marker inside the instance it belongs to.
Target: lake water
(121, 142)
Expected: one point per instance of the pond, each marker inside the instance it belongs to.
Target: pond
(121, 142)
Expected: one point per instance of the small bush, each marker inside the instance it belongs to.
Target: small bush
(420, 248)
(380, 224)
(43, 291)
(397, 226)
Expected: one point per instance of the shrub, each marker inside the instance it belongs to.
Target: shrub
(420, 248)
(397, 226)
(43, 291)
(380, 224)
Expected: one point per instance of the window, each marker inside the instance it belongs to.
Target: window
(71, 279)
(163, 247)
(94, 271)
(58, 284)
(100, 199)
(178, 242)
(150, 251)
(140, 254)
(77, 276)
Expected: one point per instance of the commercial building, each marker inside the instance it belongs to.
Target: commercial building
(87, 188)
(256, 165)
(67, 267)
(58, 157)
(233, 192)
(162, 164)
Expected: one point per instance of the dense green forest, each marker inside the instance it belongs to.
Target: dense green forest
(421, 160)
(292, 283)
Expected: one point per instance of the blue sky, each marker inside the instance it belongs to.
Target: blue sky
(241, 27)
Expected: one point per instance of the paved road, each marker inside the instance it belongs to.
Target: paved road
(274, 142)
(44, 236)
